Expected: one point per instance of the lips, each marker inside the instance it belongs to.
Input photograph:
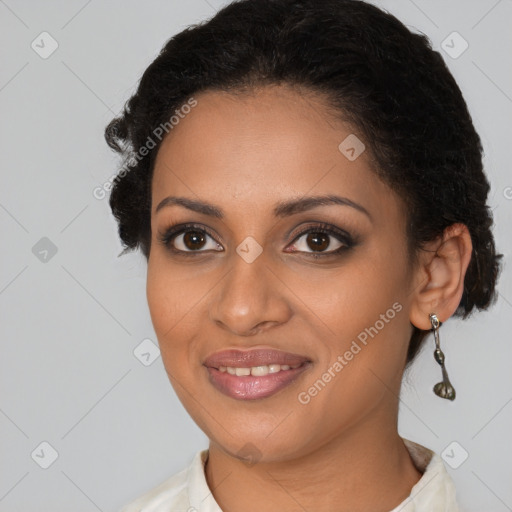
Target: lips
(254, 357)
(286, 368)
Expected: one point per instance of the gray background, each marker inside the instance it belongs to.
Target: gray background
(71, 321)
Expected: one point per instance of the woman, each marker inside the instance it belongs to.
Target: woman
(306, 184)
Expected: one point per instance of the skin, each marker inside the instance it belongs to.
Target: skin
(245, 153)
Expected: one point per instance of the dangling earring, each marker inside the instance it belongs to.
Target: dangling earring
(443, 389)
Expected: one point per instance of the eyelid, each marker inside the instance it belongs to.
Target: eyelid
(323, 227)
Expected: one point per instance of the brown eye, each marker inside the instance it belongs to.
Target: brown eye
(318, 241)
(194, 240)
(187, 239)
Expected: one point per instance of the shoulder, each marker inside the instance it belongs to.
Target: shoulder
(172, 493)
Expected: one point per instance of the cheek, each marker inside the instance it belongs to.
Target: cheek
(364, 307)
(365, 356)
(348, 300)
(161, 292)
(176, 296)
(171, 299)
(172, 291)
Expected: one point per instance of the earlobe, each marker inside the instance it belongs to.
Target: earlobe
(439, 283)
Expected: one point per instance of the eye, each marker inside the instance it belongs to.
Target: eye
(324, 240)
(188, 238)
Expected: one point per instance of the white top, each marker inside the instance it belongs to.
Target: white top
(189, 491)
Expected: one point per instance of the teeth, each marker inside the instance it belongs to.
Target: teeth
(257, 371)
(274, 368)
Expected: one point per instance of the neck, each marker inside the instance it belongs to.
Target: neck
(367, 468)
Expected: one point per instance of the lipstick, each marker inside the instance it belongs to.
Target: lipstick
(254, 374)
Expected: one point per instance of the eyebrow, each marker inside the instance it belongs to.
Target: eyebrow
(282, 208)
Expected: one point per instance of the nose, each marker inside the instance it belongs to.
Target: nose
(250, 299)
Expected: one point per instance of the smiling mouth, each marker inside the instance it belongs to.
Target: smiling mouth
(255, 382)
(255, 373)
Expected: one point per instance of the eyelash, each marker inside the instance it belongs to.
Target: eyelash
(172, 232)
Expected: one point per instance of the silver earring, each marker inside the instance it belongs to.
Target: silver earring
(443, 389)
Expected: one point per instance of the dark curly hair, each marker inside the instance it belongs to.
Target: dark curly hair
(372, 71)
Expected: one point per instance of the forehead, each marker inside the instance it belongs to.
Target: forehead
(259, 148)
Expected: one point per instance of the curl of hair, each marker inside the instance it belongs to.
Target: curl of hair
(372, 71)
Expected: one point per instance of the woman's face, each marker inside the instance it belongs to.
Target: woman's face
(252, 284)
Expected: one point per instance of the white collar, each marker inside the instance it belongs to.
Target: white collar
(435, 490)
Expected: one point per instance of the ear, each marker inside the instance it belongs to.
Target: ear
(439, 278)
